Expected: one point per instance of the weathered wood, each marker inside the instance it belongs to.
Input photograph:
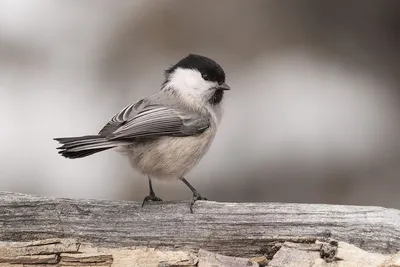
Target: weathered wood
(51, 253)
(232, 229)
(47, 253)
(300, 255)
(210, 259)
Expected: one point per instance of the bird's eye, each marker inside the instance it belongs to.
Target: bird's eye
(205, 76)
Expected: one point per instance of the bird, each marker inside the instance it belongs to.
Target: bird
(167, 133)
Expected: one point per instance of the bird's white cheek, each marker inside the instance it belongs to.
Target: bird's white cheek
(193, 88)
(198, 86)
(187, 79)
(203, 87)
(196, 82)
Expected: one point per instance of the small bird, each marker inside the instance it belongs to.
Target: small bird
(166, 134)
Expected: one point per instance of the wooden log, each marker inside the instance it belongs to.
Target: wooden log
(238, 230)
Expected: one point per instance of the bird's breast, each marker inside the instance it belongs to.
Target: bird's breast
(170, 157)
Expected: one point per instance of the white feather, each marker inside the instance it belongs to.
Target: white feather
(193, 89)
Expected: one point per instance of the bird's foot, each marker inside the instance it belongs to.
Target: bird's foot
(196, 196)
(151, 197)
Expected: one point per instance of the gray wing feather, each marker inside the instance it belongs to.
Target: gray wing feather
(121, 118)
(161, 121)
(143, 119)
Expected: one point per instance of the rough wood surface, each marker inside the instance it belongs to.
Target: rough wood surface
(69, 252)
(232, 229)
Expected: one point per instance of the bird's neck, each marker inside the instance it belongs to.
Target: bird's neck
(195, 103)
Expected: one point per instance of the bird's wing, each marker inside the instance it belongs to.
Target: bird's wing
(154, 121)
(121, 118)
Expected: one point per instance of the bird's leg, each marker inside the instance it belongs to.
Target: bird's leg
(152, 196)
(196, 195)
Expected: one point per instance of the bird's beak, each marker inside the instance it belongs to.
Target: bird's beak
(224, 86)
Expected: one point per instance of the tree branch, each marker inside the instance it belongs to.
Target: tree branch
(232, 229)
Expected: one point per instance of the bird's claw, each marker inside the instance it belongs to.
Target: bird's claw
(151, 198)
(196, 196)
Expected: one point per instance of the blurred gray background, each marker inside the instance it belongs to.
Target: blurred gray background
(313, 114)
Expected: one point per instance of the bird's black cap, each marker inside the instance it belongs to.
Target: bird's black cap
(210, 69)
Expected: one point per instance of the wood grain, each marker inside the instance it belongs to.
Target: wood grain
(232, 229)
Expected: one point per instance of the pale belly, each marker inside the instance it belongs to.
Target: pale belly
(169, 157)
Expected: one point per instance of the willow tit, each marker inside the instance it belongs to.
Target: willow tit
(166, 134)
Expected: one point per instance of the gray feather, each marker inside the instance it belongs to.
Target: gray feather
(78, 147)
(120, 118)
(162, 121)
(154, 117)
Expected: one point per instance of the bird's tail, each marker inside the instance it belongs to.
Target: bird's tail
(82, 146)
